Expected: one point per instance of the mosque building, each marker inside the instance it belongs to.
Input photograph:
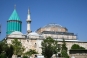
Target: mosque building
(32, 40)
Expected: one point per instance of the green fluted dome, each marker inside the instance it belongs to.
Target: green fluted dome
(14, 16)
(14, 23)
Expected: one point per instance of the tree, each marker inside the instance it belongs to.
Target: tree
(5, 50)
(3, 55)
(64, 50)
(77, 47)
(49, 47)
(25, 57)
(9, 51)
(30, 52)
(3, 46)
(17, 46)
(64, 45)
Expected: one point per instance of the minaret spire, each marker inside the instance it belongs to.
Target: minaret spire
(28, 10)
(28, 21)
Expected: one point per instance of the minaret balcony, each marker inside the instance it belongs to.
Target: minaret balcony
(28, 20)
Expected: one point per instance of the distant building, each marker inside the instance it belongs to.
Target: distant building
(32, 40)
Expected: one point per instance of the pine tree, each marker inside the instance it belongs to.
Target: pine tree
(64, 50)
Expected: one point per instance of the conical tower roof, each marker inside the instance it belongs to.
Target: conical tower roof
(14, 16)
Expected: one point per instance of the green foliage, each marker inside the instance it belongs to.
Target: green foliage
(3, 46)
(25, 57)
(49, 47)
(3, 55)
(30, 52)
(9, 51)
(77, 47)
(64, 54)
(64, 50)
(5, 50)
(17, 45)
(64, 46)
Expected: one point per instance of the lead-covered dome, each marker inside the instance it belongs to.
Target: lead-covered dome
(52, 28)
(34, 35)
(16, 34)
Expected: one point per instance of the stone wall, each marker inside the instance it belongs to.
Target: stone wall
(36, 44)
(79, 55)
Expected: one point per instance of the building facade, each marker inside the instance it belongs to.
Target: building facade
(32, 40)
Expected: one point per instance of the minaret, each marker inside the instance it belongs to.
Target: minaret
(28, 22)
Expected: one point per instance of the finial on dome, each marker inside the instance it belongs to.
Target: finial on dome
(15, 6)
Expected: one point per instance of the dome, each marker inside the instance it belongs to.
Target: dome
(52, 28)
(52, 25)
(33, 34)
(16, 33)
(14, 23)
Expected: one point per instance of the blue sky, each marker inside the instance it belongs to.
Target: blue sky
(71, 14)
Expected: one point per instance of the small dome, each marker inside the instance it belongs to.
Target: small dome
(16, 33)
(33, 34)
